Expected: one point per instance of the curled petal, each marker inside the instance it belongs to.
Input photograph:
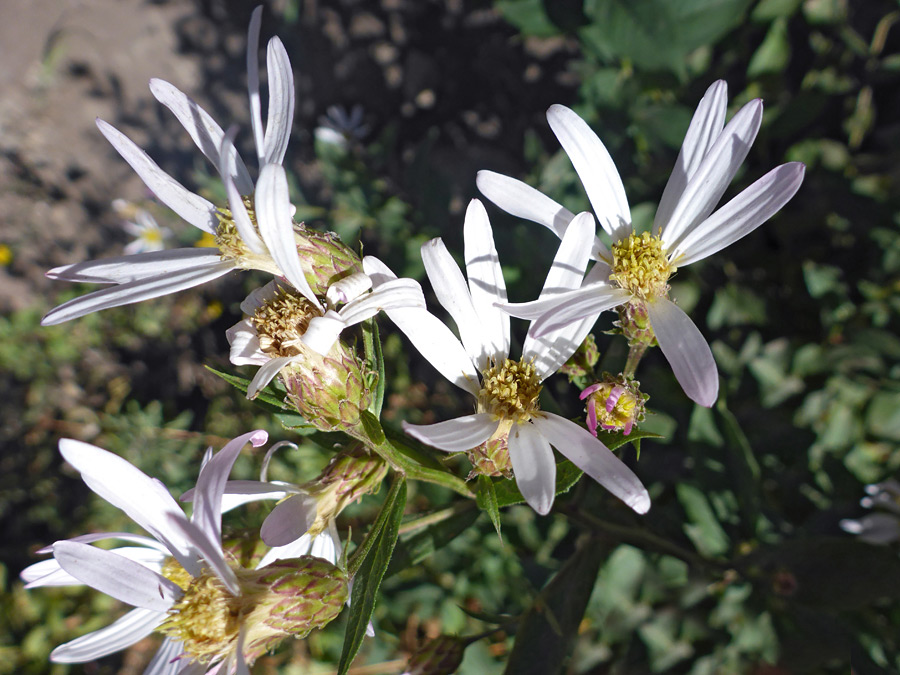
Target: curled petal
(289, 520)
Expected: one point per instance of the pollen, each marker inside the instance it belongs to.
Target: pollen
(640, 266)
(229, 241)
(510, 391)
(282, 321)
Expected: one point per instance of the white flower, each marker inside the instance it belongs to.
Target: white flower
(506, 391)
(148, 235)
(338, 126)
(310, 326)
(135, 575)
(686, 228)
(267, 245)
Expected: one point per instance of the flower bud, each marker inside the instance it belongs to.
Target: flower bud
(326, 258)
(634, 323)
(584, 359)
(614, 404)
(440, 656)
(491, 458)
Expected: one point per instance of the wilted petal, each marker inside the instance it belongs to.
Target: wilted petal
(289, 520)
(686, 350)
(253, 83)
(534, 466)
(117, 576)
(122, 269)
(244, 342)
(323, 331)
(211, 483)
(740, 216)
(196, 210)
(136, 291)
(457, 435)
(166, 661)
(705, 127)
(595, 459)
(211, 551)
(123, 633)
(486, 283)
(595, 168)
(266, 374)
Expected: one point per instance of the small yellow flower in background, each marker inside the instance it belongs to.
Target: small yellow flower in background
(6, 255)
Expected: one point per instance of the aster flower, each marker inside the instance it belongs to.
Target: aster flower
(338, 127)
(255, 232)
(140, 576)
(217, 617)
(147, 233)
(283, 328)
(635, 271)
(508, 422)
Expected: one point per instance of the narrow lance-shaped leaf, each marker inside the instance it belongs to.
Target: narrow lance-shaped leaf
(368, 566)
(545, 634)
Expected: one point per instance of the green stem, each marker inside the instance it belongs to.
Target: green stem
(635, 353)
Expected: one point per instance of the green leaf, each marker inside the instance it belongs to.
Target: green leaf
(368, 566)
(372, 426)
(528, 16)
(703, 527)
(774, 53)
(883, 415)
(548, 629)
(375, 361)
(658, 34)
(271, 398)
(487, 501)
(506, 492)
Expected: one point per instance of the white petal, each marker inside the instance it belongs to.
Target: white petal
(244, 342)
(124, 536)
(874, 528)
(267, 373)
(166, 661)
(289, 520)
(347, 289)
(253, 83)
(583, 303)
(429, 335)
(204, 131)
(486, 283)
(595, 459)
(132, 627)
(709, 182)
(323, 332)
(240, 492)
(273, 214)
(235, 192)
(571, 257)
(127, 268)
(49, 573)
(686, 350)
(260, 296)
(145, 500)
(457, 435)
(398, 294)
(534, 466)
(740, 216)
(211, 551)
(596, 169)
(196, 210)
(135, 291)
(523, 201)
(117, 576)
(211, 483)
(453, 293)
(552, 350)
(705, 127)
(281, 102)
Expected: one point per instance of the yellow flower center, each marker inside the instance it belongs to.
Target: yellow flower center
(640, 266)
(281, 322)
(510, 391)
(228, 239)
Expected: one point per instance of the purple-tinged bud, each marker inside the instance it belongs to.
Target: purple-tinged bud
(614, 404)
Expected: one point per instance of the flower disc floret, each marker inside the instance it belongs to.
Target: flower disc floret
(281, 322)
(510, 390)
(641, 266)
